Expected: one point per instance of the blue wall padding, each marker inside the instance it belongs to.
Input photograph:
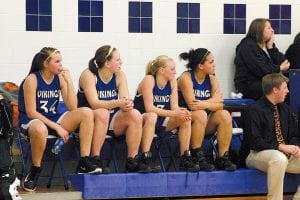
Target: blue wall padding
(172, 184)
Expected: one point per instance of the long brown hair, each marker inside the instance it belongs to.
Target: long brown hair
(45, 54)
(102, 55)
(256, 29)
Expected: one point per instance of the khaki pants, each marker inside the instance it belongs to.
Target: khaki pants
(275, 164)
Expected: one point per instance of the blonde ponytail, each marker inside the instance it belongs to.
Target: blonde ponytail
(153, 66)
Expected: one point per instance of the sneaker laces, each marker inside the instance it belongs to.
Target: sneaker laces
(132, 164)
(99, 163)
(87, 162)
(188, 161)
(227, 161)
(146, 157)
(200, 157)
(33, 175)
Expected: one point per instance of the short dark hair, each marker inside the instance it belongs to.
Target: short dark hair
(270, 81)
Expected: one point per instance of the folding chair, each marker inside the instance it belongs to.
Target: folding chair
(236, 132)
(112, 141)
(24, 145)
(165, 139)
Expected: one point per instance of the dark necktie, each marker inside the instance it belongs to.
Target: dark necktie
(278, 132)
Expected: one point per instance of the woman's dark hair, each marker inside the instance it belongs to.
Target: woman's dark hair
(102, 54)
(256, 29)
(297, 38)
(38, 60)
(194, 57)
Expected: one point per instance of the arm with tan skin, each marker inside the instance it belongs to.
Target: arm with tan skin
(146, 87)
(216, 95)
(29, 87)
(67, 89)
(126, 103)
(183, 113)
(186, 86)
(87, 83)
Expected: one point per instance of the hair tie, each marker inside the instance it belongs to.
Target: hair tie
(96, 64)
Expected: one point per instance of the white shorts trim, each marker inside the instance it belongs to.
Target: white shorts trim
(165, 122)
(112, 122)
(61, 117)
(26, 126)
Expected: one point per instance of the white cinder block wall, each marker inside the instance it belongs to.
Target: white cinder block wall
(18, 46)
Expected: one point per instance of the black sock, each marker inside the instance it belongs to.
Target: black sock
(195, 151)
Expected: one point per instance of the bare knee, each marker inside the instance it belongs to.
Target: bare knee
(101, 116)
(224, 116)
(135, 116)
(150, 118)
(86, 113)
(185, 124)
(38, 131)
(200, 117)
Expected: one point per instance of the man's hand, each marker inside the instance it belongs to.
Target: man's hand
(292, 150)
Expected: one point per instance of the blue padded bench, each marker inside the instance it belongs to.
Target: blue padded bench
(177, 184)
(172, 184)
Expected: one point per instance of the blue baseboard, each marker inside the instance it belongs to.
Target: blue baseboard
(172, 184)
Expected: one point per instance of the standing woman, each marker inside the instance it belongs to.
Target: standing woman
(157, 93)
(103, 87)
(200, 91)
(38, 99)
(256, 56)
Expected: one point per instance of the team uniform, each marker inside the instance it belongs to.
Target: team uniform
(47, 99)
(106, 92)
(202, 91)
(161, 99)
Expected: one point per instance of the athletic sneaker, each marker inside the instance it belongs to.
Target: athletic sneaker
(85, 166)
(135, 165)
(224, 163)
(9, 186)
(147, 159)
(31, 179)
(187, 164)
(13, 190)
(200, 159)
(98, 162)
